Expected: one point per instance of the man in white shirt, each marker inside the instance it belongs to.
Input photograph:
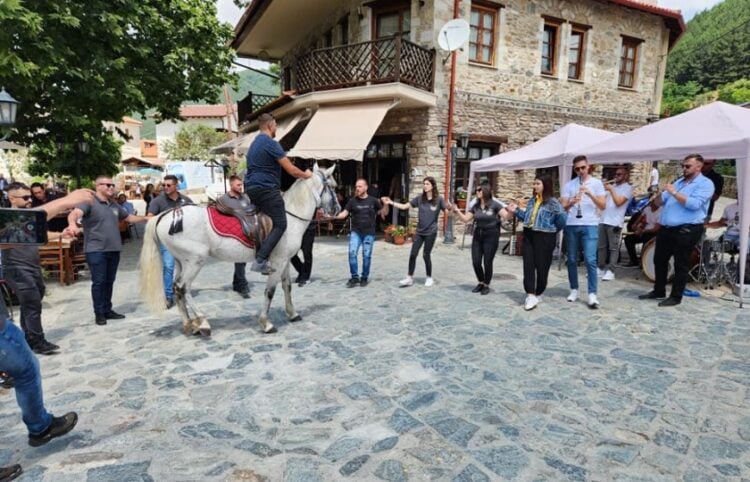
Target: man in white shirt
(654, 181)
(583, 198)
(730, 219)
(619, 193)
(644, 229)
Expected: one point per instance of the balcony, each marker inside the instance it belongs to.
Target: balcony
(375, 62)
(252, 103)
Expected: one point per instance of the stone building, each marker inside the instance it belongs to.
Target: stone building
(530, 66)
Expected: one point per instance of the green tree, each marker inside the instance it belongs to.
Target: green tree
(193, 142)
(74, 64)
(736, 93)
(677, 98)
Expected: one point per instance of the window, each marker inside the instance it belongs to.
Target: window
(575, 53)
(549, 47)
(344, 31)
(482, 40)
(392, 21)
(464, 158)
(328, 39)
(287, 75)
(628, 62)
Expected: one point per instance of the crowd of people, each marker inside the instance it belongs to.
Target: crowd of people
(589, 212)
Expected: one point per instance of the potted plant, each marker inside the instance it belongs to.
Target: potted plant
(399, 235)
(388, 231)
(461, 195)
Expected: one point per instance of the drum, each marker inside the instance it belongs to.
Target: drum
(647, 261)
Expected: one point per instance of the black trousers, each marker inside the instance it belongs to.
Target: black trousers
(29, 288)
(429, 242)
(269, 201)
(538, 248)
(631, 240)
(305, 268)
(239, 280)
(483, 249)
(677, 242)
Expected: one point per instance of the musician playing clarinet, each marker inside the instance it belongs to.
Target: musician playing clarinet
(685, 205)
(583, 198)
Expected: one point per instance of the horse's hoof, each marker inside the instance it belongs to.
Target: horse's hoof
(269, 330)
(295, 318)
(205, 331)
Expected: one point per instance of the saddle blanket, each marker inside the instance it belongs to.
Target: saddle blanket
(228, 227)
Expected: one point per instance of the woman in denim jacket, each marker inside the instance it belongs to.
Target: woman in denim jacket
(543, 217)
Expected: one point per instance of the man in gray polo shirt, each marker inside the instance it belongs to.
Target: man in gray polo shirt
(238, 200)
(102, 244)
(169, 198)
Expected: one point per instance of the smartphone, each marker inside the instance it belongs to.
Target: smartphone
(23, 226)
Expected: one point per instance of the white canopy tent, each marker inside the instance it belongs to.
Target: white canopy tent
(715, 131)
(556, 149)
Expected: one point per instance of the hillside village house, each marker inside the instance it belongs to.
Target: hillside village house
(362, 80)
(220, 117)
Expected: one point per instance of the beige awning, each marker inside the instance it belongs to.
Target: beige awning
(240, 145)
(341, 131)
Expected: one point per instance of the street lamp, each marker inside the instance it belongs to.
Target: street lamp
(463, 142)
(213, 163)
(8, 109)
(83, 148)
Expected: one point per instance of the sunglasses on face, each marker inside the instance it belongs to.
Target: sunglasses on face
(687, 166)
(168, 185)
(580, 168)
(107, 184)
(27, 197)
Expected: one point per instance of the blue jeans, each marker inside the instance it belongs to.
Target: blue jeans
(588, 238)
(167, 261)
(103, 266)
(20, 363)
(366, 241)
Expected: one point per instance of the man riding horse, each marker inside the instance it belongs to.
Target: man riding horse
(265, 158)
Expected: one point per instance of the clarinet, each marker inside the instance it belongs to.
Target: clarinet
(579, 214)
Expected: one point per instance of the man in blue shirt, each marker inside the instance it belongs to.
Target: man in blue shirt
(265, 158)
(685, 206)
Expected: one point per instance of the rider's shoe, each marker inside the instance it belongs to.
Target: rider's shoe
(261, 267)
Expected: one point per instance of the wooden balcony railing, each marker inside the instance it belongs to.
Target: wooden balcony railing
(379, 61)
(252, 103)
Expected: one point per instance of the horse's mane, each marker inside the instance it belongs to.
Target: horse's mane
(298, 194)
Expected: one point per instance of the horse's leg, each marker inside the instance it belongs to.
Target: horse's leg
(179, 297)
(286, 284)
(189, 270)
(265, 323)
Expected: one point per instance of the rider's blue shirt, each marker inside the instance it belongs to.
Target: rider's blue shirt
(263, 168)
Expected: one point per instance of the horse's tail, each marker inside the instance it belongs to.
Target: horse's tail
(152, 281)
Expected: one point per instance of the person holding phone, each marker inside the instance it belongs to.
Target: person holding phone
(23, 273)
(20, 365)
(102, 244)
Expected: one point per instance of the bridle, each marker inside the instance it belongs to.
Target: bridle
(318, 197)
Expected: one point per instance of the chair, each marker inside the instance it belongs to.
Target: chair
(51, 257)
(79, 256)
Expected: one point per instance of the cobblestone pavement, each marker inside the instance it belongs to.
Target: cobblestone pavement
(383, 383)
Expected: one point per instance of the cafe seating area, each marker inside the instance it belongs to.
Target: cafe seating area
(63, 259)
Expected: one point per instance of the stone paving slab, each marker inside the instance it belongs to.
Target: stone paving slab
(384, 383)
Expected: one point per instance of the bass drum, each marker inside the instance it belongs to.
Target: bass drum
(647, 261)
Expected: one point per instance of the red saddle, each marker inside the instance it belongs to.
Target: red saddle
(228, 227)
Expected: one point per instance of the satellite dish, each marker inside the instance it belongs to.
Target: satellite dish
(454, 34)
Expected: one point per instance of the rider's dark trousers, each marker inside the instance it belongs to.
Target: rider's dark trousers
(269, 201)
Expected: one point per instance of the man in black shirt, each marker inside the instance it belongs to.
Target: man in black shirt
(716, 178)
(363, 209)
(23, 272)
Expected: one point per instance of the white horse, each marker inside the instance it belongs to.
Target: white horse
(192, 246)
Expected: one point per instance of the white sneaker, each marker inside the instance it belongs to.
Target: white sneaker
(608, 276)
(408, 281)
(593, 301)
(599, 272)
(573, 296)
(531, 302)
(429, 282)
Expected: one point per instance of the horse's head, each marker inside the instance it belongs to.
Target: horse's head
(327, 185)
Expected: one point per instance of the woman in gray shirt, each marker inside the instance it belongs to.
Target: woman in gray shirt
(430, 203)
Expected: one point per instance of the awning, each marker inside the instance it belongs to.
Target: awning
(341, 131)
(240, 145)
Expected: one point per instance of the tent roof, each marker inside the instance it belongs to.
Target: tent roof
(716, 131)
(556, 149)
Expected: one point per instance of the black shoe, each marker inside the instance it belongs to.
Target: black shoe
(113, 315)
(651, 296)
(352, 283)
(244, 294)
(477, 288)
(302, 282)
(59, 426)
(6, 381)
(299, 279)
(363, 282)
(170, 303)
(9, 473)
(101, 320)
(261, 267)
(41, 346)
(670, 302)
(485, 290)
